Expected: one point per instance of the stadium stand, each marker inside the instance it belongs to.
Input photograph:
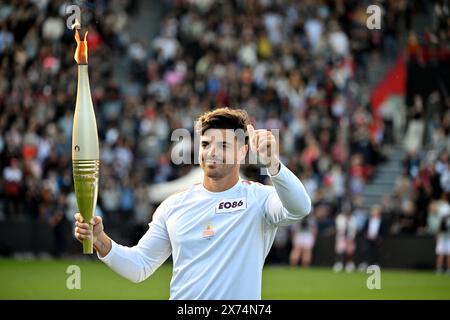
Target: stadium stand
(308, 68)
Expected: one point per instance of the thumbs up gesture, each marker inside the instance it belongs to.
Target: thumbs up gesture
(263, 143)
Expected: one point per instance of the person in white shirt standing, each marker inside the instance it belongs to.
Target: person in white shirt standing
(303, 239)
(220, 231)
(443, 235)
(345, 245)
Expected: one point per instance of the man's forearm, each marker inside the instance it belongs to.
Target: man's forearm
(103, 244)
(274, 167)
(291, 192)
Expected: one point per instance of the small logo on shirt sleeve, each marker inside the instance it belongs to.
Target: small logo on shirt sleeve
(231, 205)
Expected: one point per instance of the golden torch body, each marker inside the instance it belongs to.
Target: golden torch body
(85, 149)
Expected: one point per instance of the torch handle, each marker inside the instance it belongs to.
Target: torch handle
(88, 244)
(85, 176)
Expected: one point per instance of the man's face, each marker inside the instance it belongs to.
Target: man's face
(376, 212)
(220, 152)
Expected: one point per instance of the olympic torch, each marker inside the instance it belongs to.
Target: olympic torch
(85, 151)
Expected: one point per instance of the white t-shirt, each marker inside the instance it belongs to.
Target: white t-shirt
(374, 228)
(218, 240)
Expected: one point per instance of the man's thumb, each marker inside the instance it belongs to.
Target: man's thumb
(251, 134)
(250, 130)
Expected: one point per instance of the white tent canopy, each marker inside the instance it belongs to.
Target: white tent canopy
(158, 192)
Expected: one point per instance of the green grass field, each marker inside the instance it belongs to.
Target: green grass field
(47, 280)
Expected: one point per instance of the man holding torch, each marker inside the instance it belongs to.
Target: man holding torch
(220, 231)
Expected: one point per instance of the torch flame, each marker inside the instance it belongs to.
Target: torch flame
(81, 53)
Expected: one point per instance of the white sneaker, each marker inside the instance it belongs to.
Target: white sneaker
(338, 266)
(350, 267)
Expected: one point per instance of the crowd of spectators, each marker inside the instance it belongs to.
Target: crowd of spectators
(38, 79)
(421, 196)
(297, 66)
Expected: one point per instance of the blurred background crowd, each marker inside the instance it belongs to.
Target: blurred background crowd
(307, 68)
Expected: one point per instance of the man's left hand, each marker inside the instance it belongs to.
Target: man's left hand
(263, 143)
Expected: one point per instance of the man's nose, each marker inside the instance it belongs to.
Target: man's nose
(212, 151)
